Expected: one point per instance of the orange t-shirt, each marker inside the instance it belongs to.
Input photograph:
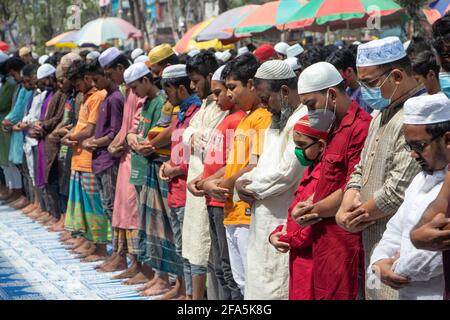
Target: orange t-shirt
(81, 158)
(247, 141)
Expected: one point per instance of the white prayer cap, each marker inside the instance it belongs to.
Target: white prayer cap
(43, 59)
(45, 71)
(35, 55)
(175, 71)
(294, 50)
(3, 57)
(293, 63)
(193, 53)
(406, 44)
(319, 76)
(275, 70)
(242, 51)
(218, 55)
(142, 58)
(93, 55)
(281, 47)
(427, 109)
(356, 43)
(136, 53)
(225, 56)
(380, 51)
(217, 76)
(135, 72)
(108, 56)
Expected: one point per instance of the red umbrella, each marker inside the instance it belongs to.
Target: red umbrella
(4, 46)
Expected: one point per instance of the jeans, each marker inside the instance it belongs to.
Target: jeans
(228, 289)
(190, 270)
(107, 183)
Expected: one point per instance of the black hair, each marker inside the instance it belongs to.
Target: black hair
(242, 68)
(172, 60)
(15, 64)
(203, 63)
(417, 45)
(275, 85)
(84, 53)
(343, 59)
(438, 129)
(183, 58)
(94, 67)
(340, 86)
(77, 70)
(29, 70)
(176, 82)
(149, 76)
(425, 62)
(312, 56)
(441, 28)
(403, 63)
(251, 47)
(121, 59)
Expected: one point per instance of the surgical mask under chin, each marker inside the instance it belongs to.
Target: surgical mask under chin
(374, 98)
(280, 119)
(322, 119)
(444, 81)
(301, 156)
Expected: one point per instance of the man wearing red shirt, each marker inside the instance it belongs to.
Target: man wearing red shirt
(337, 254)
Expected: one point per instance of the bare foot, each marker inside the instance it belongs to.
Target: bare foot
(107, 261)
(31, 207)
(137, 279)
(94, 258)
(83, 248)
(159, 288)
(86, 254)
(76, 243)
(129, 273)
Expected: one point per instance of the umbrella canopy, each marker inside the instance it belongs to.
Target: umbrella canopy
(222, 27)
(187, 42)
(63, 40)
(4, 46)
(101, 30)
(268, 15)
(436, 9)
(339, 13)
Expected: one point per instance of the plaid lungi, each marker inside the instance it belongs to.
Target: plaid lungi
(125, 241)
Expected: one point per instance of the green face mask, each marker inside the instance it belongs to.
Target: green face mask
(300, 153)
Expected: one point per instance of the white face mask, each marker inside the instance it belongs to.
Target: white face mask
(322, 119)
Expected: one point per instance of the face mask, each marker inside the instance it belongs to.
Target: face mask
(322, 119)
(304, 161)
(374, 98)
(444, 81)
(280, 119)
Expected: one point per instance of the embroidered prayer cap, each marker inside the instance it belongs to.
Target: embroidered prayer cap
(380, 51)
(264, 52)
(68, 59)
(275, 70)
(217, 76)
(45, 71)
(293, 63)
(427, 109)
(175, 71)
(135, 71)
(93, 55)
(281, 47)
(242, 51)
(43, 59)
(193, 52)
(143, 58)
(303, 126)
(136, 53)
(108, 56)
(159, 53)
(317, 77)
(294, 50)
(24, 51)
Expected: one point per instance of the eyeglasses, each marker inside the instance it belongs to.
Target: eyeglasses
(372, 83)
(419, 147)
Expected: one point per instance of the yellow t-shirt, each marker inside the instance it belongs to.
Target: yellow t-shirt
(247, 141)
(165, 121)
(82, 158)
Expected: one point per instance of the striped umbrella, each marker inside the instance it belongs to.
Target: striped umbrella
(101, 30)
(269, 15)
(222, 27)
(341, 14)
(63, 40)
(436, 9)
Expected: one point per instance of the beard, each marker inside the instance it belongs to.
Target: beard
(279, 119)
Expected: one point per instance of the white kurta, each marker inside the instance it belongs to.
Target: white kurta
(196, 238)
(274, 180)
(423, 267)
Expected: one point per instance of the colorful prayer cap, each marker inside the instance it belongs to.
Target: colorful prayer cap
(159, 53)
(293, 63)
(44, 71)
(135, 72)
(275, 70)
(136, 53)
(281, 47)
(24, 51)
(108, 56)
(427, 109)
(294, 50)
(175, 71)
(217, 76)
(303, 126)
(317, 77)
(264, 52)
(379, 52)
